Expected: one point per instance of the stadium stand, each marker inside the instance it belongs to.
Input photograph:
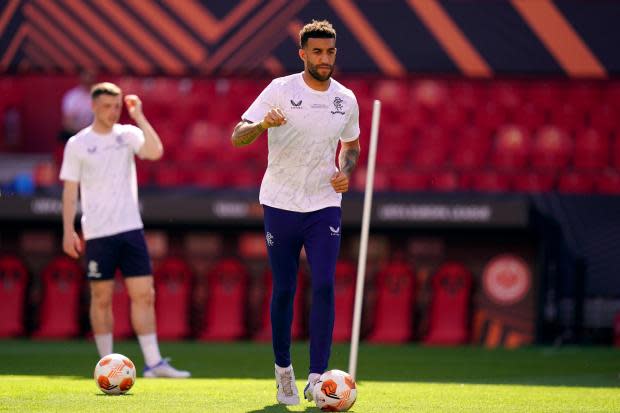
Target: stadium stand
(59, 312)
(394, 308)
(449, 310)
(344, 294)
(173, 287)
(13, 289)
(226, 305)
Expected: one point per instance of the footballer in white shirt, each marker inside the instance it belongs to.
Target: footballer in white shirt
(307, 115)
(99, 163)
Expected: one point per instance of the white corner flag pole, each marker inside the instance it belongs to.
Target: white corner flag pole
(363, 250)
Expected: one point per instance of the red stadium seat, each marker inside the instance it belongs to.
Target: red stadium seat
(344, 292)
(444, 181)
(471, 148)
(173, 289)
(429, 93)
(121, 309)
(490, 116)
(551, 150)
(211, 177)
(487, 181)
(576, 183)
(507, 94)
(59, 312)
(393, 318)
(226, 302)
(45, 174)
(568, 116)
(530, 117)
(605, 118)
(13, 286)
(591, 150)
(449, 312)
(511, 149)
(608, 183)
(533, 182)
(583, 94)
(468, 95)
(381, 179)
(409, 180)
(169, 175)
(299, 309)
(545, 95)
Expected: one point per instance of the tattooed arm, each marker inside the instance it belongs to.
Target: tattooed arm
(246, 132)
(347, 160)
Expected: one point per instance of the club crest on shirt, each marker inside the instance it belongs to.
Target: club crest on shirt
(296, 105)
(338, 105)
(269, 239)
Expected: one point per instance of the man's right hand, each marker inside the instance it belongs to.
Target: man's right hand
(71, 244)
(275, 117)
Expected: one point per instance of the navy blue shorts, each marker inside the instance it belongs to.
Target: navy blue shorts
(126, 251)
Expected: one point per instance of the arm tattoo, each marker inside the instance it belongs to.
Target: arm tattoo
(348, 159)
(246, 133)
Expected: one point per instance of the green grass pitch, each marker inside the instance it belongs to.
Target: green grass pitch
(238, 377)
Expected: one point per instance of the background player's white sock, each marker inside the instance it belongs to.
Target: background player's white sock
(150, 349)
(104, 344)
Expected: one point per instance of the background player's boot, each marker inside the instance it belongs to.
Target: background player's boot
(164, 369)
(285, 382)
(313, 378)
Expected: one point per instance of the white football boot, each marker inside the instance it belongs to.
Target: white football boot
(285, 382)
(164, 369)
(313, 378)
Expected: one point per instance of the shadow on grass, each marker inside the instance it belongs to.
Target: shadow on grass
(280, 408)
(543, 366)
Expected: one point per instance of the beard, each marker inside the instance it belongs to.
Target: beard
(314, 72)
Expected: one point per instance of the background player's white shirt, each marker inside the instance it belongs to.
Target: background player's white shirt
(302, 152)
(105, 168)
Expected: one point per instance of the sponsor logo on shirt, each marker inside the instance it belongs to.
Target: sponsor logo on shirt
(91, 149)
(296, 105)
(93, 269)
(269, 239)
(338, 106)
(318, 106)
(335, 231)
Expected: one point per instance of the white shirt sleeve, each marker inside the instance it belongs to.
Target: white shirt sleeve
(134, 136)
(351, 130)
(71, 167)
(263, 103)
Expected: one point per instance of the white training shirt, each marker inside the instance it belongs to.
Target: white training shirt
(302, 152)
(105, 168)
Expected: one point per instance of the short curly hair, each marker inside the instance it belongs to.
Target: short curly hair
(321, 29)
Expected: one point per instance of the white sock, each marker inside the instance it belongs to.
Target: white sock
(104, 344)
(150, 349)
(281, 370)
(313, 377)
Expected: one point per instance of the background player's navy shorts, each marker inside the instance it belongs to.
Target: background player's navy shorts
(126, 251)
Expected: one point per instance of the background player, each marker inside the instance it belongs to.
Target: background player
(99, 161)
